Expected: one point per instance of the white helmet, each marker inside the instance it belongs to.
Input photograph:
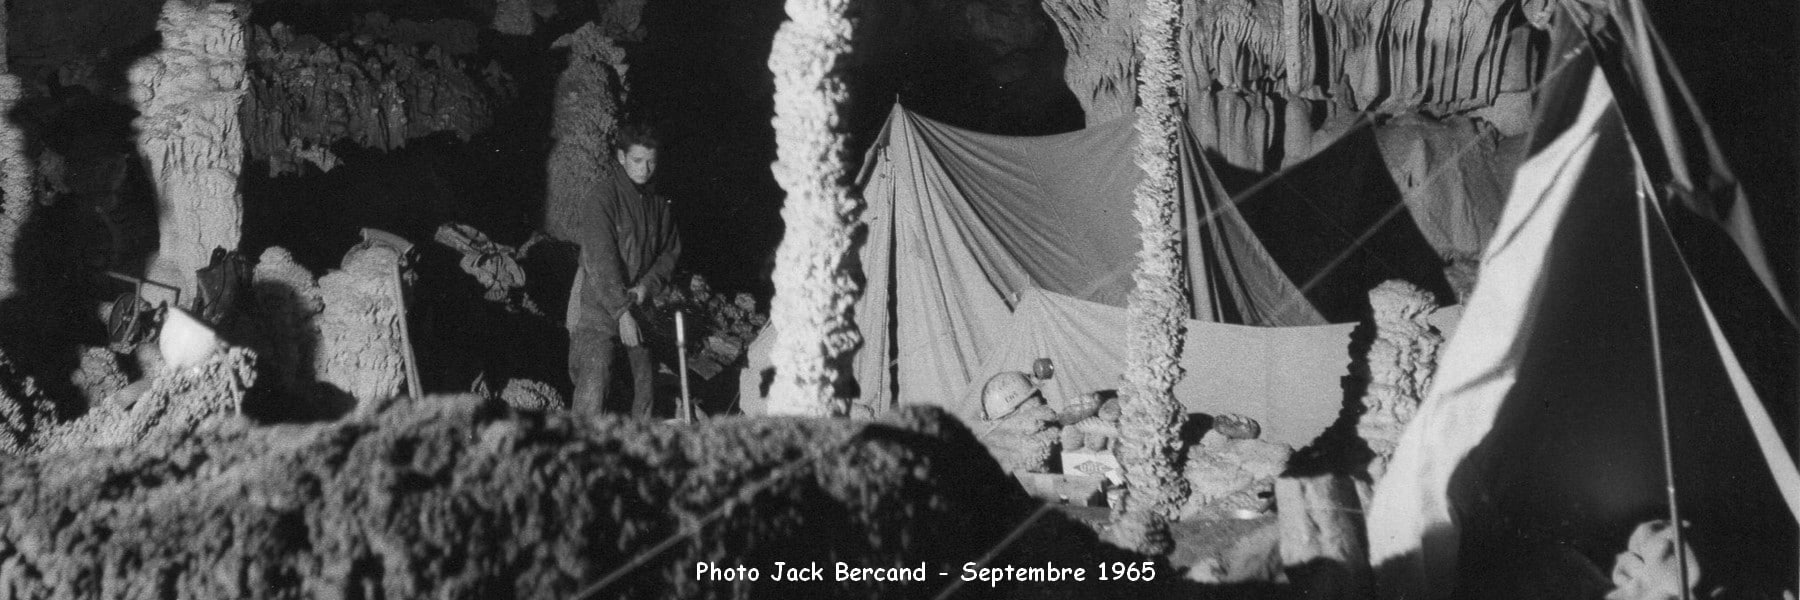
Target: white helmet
(1004, 393)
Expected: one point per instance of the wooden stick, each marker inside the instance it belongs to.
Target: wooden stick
(686, 406)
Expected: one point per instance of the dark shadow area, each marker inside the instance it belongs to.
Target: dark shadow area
(1322, 209)
(95, 211)
(1743, 66)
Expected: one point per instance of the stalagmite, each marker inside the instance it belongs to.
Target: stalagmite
(1150, 426)
(584, 118)
(813, 288)
(16, 175)
(289, 302)
(359, 347)
(1400, 361)
(188, 94)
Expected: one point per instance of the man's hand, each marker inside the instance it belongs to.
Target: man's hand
(638, 294)
(628, 330)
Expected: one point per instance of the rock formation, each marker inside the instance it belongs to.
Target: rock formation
(1228, 473)
(176, 405)
(25, 411)
(457, 497)
(1102, 64)
(289, 304)
(584, 119)
(360, 348)
(16, 174)
(1401, 361)
(188, 94)
(98, 375)
(814, 289)
(306, 94)
(514, 17)
(1150, 424)
(1265, 78)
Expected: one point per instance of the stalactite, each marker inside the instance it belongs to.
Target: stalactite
(813, 288)
(306, 95)
(1261, 73)
(1097, 36)
(1401, 361)
(16, 174)
(584, 119)
(188, 95)
(1150, 426)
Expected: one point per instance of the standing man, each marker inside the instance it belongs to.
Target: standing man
(628, 249)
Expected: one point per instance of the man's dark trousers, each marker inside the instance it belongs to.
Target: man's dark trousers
(591, 353)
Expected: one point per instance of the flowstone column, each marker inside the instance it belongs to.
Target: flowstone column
(584, 119)
(1149, 428)
(188, 94)
(1401, 361)
(16, 193)
(814, 290)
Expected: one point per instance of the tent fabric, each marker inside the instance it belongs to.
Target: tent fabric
(1542, 428)
(1337, 223)
(1287, 378)
(961, 224)
(1453, 174)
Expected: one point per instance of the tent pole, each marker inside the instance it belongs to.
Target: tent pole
(1662, 394)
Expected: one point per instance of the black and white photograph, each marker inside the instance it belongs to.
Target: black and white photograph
(923, 299)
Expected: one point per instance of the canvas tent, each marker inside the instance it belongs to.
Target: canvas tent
(1601, 299)
(984, 252)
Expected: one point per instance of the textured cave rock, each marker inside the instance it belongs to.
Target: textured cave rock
(174, 405)
(98, 374)
(25, 411)
(1226, 474)
(1102, 65)
(457, 497)
(188, 93)
(360, 349)
(1401, 361)
(814, 288)
(306, 94)
(1151, 419)
(17, 175)
(514, 17)
(585, 116)
(1270, 82)
(288, 303)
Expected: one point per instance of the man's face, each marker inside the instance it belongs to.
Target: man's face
(639, 163)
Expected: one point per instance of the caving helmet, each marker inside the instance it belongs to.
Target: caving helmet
(1004, 393)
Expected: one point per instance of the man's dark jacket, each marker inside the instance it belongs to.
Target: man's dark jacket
(627, 238)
